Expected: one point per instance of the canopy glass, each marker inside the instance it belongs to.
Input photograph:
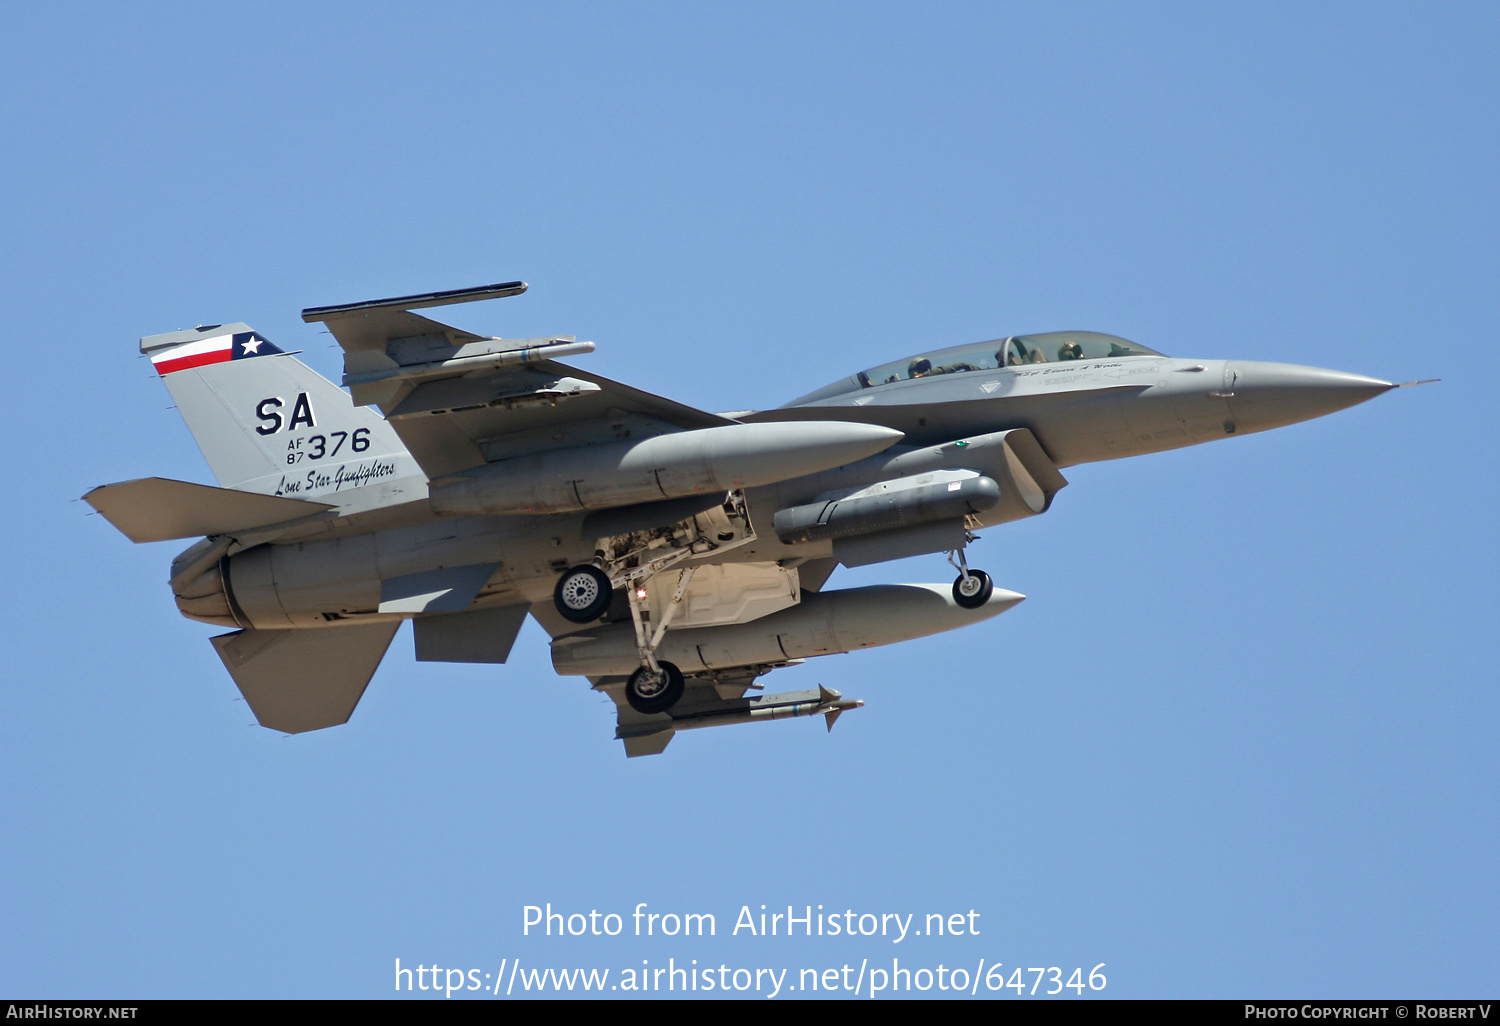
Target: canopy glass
(1016, 351)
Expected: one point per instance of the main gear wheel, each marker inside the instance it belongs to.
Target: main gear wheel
(582, 594)
(654, 691)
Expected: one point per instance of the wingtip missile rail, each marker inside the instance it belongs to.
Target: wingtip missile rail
(523, 351)
(420, 301)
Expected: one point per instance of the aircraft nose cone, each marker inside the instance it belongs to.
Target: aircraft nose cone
(1269, 395)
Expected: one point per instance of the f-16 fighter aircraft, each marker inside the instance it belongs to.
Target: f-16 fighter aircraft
(674, 555)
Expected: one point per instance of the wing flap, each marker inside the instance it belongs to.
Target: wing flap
(159, 509)
(300, 680)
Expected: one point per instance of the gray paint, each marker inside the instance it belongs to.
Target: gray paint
(449, 590)
(884, 546)
(695, 711)
(906, 501)
(320, 583)
(702, 461)
(642, 517)
(1091, 410)
(477, 636)
(160, 509)
(824, 623)
(528, 434)
(219, 402)
(296, 681)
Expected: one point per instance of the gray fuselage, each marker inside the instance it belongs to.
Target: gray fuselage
(1084, 411)
(1079, 411)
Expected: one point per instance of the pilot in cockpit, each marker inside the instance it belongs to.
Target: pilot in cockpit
(1020, 354)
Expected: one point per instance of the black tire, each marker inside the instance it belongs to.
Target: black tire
(582, 594)
(978, 592)
(649, 692)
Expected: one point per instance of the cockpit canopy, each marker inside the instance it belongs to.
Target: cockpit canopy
(1016, 351)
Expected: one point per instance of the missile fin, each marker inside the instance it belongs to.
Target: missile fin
(832, 716)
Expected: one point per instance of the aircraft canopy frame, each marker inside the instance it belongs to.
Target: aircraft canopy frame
(995, 354)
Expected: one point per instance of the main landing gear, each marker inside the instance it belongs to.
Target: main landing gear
(631, 562)
(973, 588)
(584, 593)
(654, 691)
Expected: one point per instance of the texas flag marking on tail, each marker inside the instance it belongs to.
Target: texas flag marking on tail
(218, 349)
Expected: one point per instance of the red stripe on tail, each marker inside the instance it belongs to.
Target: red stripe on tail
(197, 360)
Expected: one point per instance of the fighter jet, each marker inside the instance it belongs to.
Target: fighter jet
(674, 555)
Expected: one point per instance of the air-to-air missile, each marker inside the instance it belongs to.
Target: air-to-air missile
(649, 738)
(674, 555)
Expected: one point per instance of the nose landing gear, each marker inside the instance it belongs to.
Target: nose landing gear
(973, 588)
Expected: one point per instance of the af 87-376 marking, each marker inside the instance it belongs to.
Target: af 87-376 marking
(329, 446)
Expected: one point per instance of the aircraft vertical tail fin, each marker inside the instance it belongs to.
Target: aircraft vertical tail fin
(266, 422)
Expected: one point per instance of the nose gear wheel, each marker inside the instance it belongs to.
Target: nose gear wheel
(973, 589)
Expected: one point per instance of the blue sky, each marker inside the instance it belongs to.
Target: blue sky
(1238, 741)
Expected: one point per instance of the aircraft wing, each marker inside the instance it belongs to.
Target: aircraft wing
(458, 399)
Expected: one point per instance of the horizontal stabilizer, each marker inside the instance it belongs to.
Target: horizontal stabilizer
(300, 680)
(158, 509)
